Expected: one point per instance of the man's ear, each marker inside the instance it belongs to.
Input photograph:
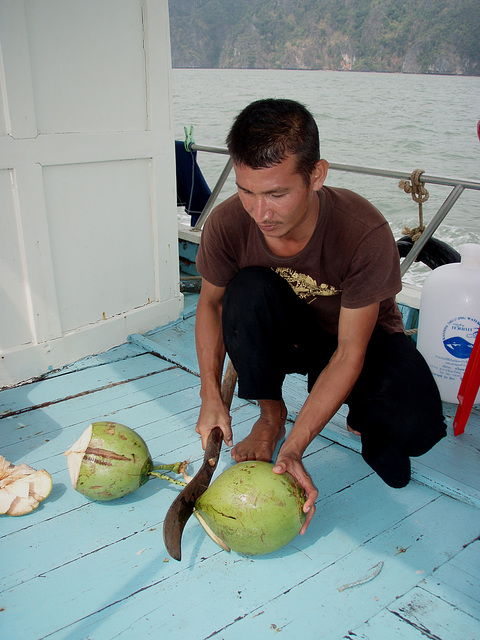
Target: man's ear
(319, 174)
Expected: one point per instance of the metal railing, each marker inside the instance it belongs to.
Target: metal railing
(458, 187)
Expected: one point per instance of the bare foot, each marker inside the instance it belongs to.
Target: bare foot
(266, 432)
(357, 433)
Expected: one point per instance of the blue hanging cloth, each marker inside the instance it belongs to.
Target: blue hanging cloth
(192, 188)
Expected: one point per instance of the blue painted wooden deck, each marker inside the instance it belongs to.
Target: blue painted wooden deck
(75, 569)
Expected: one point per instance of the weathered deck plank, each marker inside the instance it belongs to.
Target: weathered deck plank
(317, 603)
(338, 550)
(108, 564)
(301, 589)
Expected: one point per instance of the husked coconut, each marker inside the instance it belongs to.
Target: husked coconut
(252, 510)
(110, 460)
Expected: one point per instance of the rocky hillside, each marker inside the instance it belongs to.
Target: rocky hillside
(411, 36)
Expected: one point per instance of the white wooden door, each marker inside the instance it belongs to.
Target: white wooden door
(88, 242)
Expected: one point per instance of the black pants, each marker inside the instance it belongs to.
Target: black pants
(395, 404)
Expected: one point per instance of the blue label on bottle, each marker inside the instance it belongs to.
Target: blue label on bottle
(459, 335)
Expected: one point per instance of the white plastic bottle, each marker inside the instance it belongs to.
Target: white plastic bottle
(450, 319)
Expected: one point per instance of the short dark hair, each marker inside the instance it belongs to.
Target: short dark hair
(268, 130)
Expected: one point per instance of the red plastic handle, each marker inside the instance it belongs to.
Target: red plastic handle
(468, 388)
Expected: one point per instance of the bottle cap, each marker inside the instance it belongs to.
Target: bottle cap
(470, 253)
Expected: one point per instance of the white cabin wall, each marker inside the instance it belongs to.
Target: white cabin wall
(88, 242)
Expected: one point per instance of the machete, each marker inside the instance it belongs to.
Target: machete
(182, 507)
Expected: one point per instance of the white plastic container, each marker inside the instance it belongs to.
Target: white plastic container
(450, 319)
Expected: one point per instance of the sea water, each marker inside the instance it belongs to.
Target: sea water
(388, 121)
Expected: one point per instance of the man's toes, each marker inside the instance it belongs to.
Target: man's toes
(237, 456)
(357, 433)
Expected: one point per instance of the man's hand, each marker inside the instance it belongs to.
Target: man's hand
(214, 414)
(293, 464)
(211, 355)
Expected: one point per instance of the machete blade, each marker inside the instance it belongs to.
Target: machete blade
(182, 507)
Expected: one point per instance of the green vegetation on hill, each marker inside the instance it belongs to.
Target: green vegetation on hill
(412, 36)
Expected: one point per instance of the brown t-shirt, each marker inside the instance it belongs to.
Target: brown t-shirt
(351, 260)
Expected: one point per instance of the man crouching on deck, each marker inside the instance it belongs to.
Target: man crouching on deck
(300, 277)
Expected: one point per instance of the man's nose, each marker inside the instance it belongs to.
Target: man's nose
(260, 209)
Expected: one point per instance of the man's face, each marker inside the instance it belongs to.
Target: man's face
(278, 199)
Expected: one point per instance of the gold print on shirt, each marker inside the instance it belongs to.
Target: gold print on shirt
(305, 286)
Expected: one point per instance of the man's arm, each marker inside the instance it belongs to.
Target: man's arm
(327, 395)
(211, 356)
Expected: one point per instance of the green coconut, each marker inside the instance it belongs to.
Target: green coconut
(110, 460)
(252, 510)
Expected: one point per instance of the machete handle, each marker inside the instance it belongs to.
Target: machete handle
(228, 384)
(212, 450)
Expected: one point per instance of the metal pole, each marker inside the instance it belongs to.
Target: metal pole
(214, 195)
(386, 173)
(199, 147)
(400, 175)
(435, 222)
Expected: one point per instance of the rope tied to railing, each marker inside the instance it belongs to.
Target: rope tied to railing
(419, 195)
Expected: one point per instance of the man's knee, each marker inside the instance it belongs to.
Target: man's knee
(387, 456)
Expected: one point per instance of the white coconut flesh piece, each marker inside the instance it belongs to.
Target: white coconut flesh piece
(76, 453)
(22, 488)
(210, 533)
